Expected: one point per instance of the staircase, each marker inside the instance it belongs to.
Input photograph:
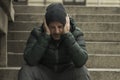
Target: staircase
(101, 27)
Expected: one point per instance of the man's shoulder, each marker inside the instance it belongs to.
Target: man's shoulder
(36, 30)
(77, 32)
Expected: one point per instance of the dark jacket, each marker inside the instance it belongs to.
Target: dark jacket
(57, 55)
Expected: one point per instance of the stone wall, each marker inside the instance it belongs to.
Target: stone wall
(88, 2)
(6, 14)
(42, 2)
(7, 7)
(103, 2)
(3, 21)
(3, 37)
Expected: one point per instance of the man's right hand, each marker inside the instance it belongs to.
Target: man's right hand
(46, 28)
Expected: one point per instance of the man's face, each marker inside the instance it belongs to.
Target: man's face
(56, 29)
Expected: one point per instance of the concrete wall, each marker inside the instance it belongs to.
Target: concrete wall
(103, 3)
(6, 14)
(41, 2)
(88, 2)
(7, 6)
(3, 37)
(3, 21)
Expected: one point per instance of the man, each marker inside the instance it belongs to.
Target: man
(56, 50)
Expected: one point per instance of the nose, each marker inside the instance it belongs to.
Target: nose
(57, 31)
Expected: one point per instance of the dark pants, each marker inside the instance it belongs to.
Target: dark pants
(43, 73)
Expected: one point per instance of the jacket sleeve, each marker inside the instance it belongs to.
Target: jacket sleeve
(75, 44)
(35, 47)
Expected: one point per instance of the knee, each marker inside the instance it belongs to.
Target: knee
(82, 73)
(28, 69)
(25, 68)
(82, 70)
(26, 72)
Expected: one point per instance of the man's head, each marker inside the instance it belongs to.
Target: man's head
(56, 19)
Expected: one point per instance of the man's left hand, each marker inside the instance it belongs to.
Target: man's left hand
(67, 25)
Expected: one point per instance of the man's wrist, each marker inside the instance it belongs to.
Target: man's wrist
(65, 35)
(68, 39)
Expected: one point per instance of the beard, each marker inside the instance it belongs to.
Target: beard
(56, 36)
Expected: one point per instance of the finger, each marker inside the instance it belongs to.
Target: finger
(67, 22)
(67, 19)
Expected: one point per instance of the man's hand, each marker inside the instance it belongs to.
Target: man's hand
(67, 25)
(46, 28)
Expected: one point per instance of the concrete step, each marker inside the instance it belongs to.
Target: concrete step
(84, 26)
(102, 36)
(103, 61)
(17, 46)
(104, 74)
(70, 9)
(15, 60)
(10, 73)
(94, 60)
(23, 25)
(89, 36)
(77, 17)
(103, 47)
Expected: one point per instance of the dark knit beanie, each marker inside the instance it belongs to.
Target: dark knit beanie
(55, 12)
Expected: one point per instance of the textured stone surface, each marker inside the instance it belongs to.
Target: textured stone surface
(103, 47)
(7, 6)
(3, 21)
(94, 60)
(3, 50)
(104, 74)
(92, 47)
(103, 61)
(3, 37)
(70, 9)
(89, 36)
(78, 18)
(84, 26)
(8, 73)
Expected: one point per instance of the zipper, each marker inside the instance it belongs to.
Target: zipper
(57, 57)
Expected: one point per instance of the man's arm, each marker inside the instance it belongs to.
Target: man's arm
(36, 46)
(76, 47)
(75, 44)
